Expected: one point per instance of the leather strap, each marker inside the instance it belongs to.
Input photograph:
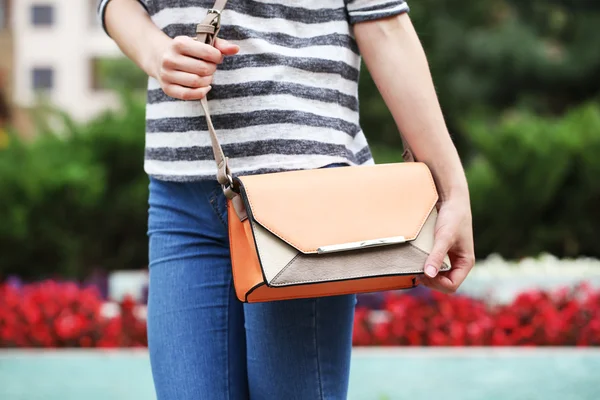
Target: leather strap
(206, 32)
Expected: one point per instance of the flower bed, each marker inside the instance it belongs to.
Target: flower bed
(566, 317)
(50, 314)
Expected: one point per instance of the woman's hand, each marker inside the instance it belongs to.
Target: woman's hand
(454, 237)
(185, 67)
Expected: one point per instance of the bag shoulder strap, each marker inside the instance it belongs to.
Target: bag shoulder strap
(206, 32)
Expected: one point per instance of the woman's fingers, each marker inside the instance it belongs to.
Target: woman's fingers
(185, 93)
(454, 238)
(449, 282)
(431, 283)
(192, 48)
(187, 66)
(178, 62)
(186, 79)
(226, 48)
(446, 232)
(461, 266)
(442, 243)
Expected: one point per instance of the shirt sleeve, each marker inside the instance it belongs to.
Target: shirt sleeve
(366, 10)
(102, 11)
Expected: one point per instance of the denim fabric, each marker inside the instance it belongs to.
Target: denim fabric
(204, 343)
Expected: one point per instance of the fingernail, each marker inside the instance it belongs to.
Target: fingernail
(431, 271)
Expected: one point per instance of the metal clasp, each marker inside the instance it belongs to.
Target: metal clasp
(230, 190)
(217, 21)
(334, 248)
(229, 181)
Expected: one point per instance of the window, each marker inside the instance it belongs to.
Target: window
(93, 10)
(43, 78)
(108, 73)
(42, 15)
(4, 7)
(97, 75)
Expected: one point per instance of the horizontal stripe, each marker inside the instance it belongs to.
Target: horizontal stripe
(269, 10)
(375, 11)
(363, 156)
(249, 149)
(237, 33)
(241, 166)
(328, 53)
(282, 73)
(250, 133)
(354, 6)
(151, 165)
(261, 171)
(251, 89)
(307, 64)
(313, 5)
(359, 16)
(184, 109)
(233, 121)
(101, 5)
(190, 15)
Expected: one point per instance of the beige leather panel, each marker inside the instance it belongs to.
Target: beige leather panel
(312, 268)
(424, 240)
(274, 253)
(323, 207)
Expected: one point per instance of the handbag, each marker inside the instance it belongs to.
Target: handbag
(324, 232)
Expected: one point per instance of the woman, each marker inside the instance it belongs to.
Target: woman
(282, 88)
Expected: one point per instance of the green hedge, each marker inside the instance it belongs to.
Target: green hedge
(76, 201)
(499, 53)
(535, 184)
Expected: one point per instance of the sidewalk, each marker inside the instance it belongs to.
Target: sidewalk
(377, 374)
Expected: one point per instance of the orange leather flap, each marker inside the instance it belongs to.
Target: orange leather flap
(315, 208)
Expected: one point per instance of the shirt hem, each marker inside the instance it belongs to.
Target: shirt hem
(205, 176)
(358, 17)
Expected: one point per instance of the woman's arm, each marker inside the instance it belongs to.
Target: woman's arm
(183, 66)
(397, 63)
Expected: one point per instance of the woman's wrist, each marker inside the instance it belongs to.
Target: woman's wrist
(130, 26)
(450, 180)
(453, 188)
(457, 192)
(152, 52)
(447, 170)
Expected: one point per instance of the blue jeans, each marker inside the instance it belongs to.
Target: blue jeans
(206, 344)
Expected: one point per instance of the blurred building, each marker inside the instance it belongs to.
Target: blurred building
(6, 62)
(56, 48)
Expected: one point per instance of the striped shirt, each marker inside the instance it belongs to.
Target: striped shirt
(288, 100)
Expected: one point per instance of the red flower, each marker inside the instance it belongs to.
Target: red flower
(437, 338)
(50, 314)
(381, 332)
